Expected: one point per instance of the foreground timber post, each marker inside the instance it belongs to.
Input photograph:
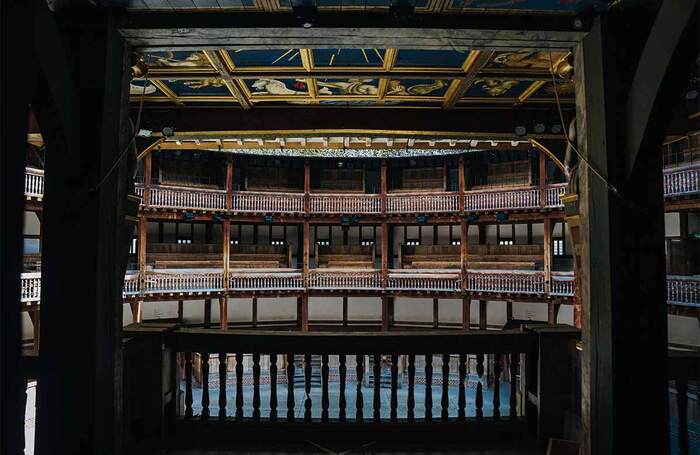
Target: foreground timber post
(83, 116)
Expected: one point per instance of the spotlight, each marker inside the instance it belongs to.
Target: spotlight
(168, 131)
(305, 14)
(520, 131)
(139, 67)
(556, 128)
(539, 128)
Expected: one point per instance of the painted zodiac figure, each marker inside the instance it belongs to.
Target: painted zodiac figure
(396, 88)
(274, 87)
(351, 87)
(496, 87)
(195, 59)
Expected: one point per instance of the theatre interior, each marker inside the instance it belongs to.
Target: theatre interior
(342, 226)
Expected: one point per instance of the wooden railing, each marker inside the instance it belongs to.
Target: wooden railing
(187, 198)
(505, 281)
(677, 182)
(192, 282)
(253, 280)
(346, 204)
(422, 202)
(31, 287)
(520, 198)
(682, 180)
(263, 202)
(344, 279)
(34, 182)
(289, 381)
(425, 280)
(683, 291)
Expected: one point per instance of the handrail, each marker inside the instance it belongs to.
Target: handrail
(678, 181)
(681, 290)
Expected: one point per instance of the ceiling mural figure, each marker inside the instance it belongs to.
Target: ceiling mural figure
(277, 87)
(496, 87)
(193, 60)
(397, 88)
(534, 60)
(349, 87)
(204, 83)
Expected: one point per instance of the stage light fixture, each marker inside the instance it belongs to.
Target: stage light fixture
(539, 128)
(168, 131)
(520, 131)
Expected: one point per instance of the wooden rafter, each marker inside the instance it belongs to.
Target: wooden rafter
(474, 63)
(225, 75)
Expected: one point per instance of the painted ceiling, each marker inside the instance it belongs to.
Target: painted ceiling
(353, 77)
(421, 6)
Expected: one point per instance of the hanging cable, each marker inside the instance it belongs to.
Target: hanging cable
(130, 143)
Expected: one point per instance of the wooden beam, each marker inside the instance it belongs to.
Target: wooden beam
(147, 177)
(161, 31)
(483, 316)
(542, 180)
(383, 186)
(474, 63)
(463, 251)
(225, 76)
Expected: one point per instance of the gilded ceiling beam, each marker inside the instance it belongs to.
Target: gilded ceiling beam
(225, 76)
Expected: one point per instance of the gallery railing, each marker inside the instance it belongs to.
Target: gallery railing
(250, 379)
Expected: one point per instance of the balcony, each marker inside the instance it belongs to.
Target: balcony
(682, 291)
(253, 386)
(678, 182)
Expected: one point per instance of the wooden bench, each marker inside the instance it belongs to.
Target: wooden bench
(345, 256)
(181, 256)
(260, 256)
(495, 257)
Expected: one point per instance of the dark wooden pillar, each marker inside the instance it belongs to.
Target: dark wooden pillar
(463, 251)
(547, 254)
(509, 311)
(466, 313)
(627, 85)
(303, 312)
(207, 313)
(461, 183)
(142, 243)
(15, 45)
(226, 250)
(147, 177)
(303, 302)
(386, 300)
(383, 186)
(436, 313)
(543, 178)
(223, 312)
(307, 186)
(254, 313)
(483, 314)
(229, 183)
(83, 115)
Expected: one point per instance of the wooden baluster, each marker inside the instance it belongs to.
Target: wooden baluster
(462, 400)
(307, 387)
(324, 388)
(514, 362)
(410, 401)
(479, 392)
(273, 387)
(394, 387)
(428, 387)
(445, 402)
(342, 372)
(497, 369)
(239, 385)
(290, 387)
(377, 373)
(256, 387)
(188, 385)
(204, 363)
(359, 371)
(222, 385)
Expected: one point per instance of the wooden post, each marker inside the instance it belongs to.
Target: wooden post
(229, 183)
(386, 312)
(436, 313)
(547, 255)
(305, 253)
(466, 313)
(223, 312)
(303, 312)
(509, 311)
(207, 313)
(226, 249)
(463, 251)
(141, 242)
(254, 313)
(543, 180)
(136, 311)
(383, 186)
(147, 160)
(180, 310)
(385, 254)
(307, 187)
(461, 184)
(345, 311)
(552, 311)
(483, 316)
